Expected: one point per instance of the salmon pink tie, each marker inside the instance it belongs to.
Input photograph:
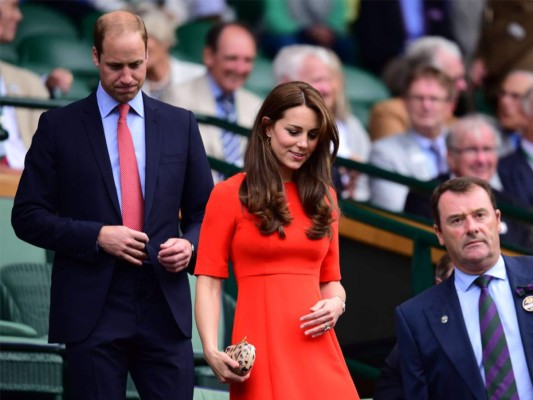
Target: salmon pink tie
(130, 183)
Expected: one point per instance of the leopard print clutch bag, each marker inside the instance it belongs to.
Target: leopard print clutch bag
(244, 353)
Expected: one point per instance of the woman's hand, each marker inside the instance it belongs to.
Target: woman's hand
(221, 363)
(324, 315)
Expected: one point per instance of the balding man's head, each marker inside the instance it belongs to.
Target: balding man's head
(117, 23)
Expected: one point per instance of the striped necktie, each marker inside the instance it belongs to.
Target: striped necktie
(499, 377)
(230, 141)
(441, 165)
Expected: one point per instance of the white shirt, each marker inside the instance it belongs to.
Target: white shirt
(13, 148)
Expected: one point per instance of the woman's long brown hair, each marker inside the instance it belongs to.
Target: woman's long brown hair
(262, 190)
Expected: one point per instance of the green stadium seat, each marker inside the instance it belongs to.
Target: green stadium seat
(8, 53)
(43, 20)
(69, 53)
(51, 52)
(28, 364)
(191, 39)
(12, 249)
(363, 90)
(261, 80)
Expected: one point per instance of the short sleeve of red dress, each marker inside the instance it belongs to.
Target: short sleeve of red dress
(218, 228)
(330, 270)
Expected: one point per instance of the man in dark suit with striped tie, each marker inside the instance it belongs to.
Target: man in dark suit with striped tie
(470, 337)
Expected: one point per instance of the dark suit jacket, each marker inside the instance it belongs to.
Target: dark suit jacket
(517, 177)
(380, 30)
(67, 193)
(436, 358)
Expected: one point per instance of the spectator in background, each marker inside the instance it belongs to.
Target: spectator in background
(516, 169)
(465, 25)
(20, 123)
(318, 22)
(322, 69)
(390, 116)
(419, 152)
(511, 117)
(178, 11)
(384, 29)
(506, 44)
(163, 70)
(229, 55)
(472, 145)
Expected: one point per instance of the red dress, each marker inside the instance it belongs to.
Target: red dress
(278, 281)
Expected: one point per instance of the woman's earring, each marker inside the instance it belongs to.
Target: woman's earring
(269, 141)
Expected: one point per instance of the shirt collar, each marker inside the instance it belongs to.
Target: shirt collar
(425, 142)
(463, 281)
(216, 89)
(107, 104)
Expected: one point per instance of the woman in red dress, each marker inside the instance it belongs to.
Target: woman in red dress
(278, 224)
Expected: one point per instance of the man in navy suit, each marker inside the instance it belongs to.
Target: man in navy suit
(516, 169)
(439, 336)
(120, 298)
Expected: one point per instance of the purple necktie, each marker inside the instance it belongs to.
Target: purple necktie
(499, 376)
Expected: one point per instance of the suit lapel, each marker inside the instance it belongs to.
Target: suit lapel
(92, 121)
(446, 322)
(153, 137)
(517, 272)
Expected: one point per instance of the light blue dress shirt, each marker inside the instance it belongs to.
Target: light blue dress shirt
(413, 12)
(425, 145)
(136, 123)
(217, 92)
(502, 295)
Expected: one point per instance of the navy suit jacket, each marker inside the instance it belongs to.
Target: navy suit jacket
(67, 193)
(517, 177)
(436, 358)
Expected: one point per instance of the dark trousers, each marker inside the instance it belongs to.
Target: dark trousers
(137, 333)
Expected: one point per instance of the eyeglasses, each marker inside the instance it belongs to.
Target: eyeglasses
(431, 99)
(474, 151)
(513, 95)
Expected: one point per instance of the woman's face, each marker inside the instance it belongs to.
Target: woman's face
(293, 138)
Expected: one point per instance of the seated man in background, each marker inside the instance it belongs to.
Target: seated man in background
(229, 55)
(472, 145)
(516, 169)
(419, 152)
(20, 123)
(321, 68)
(163, 70)
(511, 118)
(390, 117)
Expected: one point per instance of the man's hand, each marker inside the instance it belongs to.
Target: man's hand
(59, 79)
(175, 254)
(124, 243)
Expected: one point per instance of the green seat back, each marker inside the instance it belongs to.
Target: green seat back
(261, 80)
(12, 249)
(26, 294)
(191, 39)
(363, 90)
(41, 20)
(47, 52)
